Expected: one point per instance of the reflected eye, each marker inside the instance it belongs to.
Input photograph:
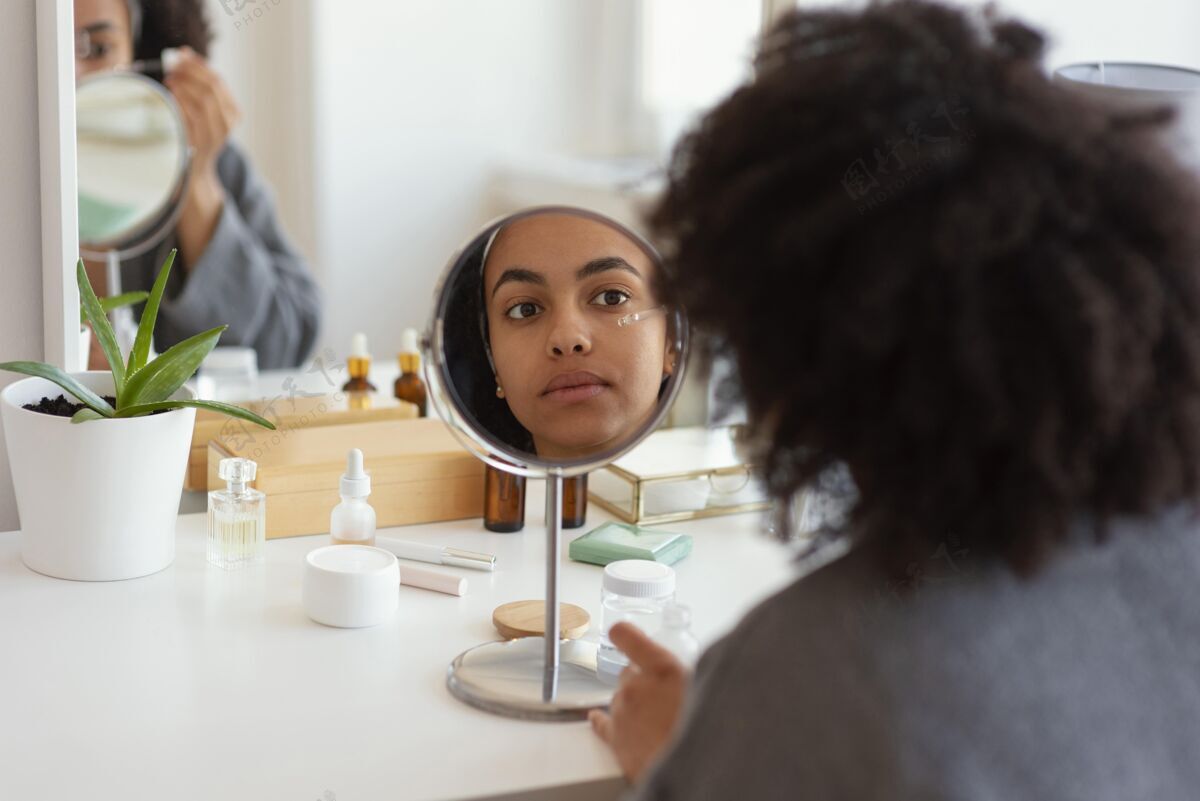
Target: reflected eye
(89, 48)
(611, 297)
(522, 311)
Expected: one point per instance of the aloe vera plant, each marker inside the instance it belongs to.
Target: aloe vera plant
(115, 302)
(141, 386)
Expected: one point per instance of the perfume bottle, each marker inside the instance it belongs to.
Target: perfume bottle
(409, 386)
(358, 365)
(237, 517)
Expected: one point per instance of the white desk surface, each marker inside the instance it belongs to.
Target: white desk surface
(195, 683)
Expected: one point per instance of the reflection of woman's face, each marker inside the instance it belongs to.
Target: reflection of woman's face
(103, 40)
(554, 287)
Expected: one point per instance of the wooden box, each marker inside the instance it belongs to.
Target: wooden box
(419, 474)
(288, 414)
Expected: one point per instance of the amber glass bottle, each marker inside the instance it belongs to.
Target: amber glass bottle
(574, 502)
(409, 386)
(359, 366)
(503, 501)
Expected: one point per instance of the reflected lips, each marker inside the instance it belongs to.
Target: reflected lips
(577, 386)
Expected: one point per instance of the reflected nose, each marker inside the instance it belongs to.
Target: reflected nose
(568, 336)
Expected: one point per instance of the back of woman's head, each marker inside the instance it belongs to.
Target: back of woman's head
(935, 265)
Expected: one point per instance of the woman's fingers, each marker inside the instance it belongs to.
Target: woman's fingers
(191, 104)
(642, 651)
(601, 724)
(209, 103)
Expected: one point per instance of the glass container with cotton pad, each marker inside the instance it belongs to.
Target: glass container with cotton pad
(350, 586)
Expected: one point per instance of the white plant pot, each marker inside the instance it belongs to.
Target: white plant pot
(98, 500)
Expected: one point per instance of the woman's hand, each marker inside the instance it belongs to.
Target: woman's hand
(647, 704)
(209, 115)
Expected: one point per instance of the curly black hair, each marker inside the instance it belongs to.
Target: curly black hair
(936, 265)
(172, 23)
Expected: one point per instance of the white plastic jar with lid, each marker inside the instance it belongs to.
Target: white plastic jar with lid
(633, 591)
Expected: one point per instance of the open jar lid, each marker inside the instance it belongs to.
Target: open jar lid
(350, 586)
(639, 578)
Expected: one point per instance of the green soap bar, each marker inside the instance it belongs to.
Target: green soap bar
(612, 542)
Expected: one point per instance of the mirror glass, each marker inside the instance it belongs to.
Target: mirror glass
(338, 152)
(132, 157)
(550, 343)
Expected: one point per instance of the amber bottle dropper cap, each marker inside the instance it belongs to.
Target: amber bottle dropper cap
(410, 352)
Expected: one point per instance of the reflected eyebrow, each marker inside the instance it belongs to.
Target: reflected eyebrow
(519, 274)
(602, 264)
(96, 27)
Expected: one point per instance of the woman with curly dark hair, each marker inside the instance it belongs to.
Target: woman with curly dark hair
(239, 268)
(978, 293)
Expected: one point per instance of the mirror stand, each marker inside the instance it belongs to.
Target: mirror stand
(551, 679)
(124, 326)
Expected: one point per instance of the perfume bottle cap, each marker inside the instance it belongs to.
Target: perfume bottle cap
(358, 347)
(410, 341)
(237, 471)
(355, 483)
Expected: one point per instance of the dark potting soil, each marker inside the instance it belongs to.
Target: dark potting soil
(61, 407)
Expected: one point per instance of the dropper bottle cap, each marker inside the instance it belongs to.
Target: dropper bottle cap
(410, 351)
(359, 363)
(356, 483)
(358, 346)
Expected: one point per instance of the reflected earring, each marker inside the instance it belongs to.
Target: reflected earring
(499, 392)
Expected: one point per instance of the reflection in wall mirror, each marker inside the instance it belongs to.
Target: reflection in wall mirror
(132, 158)
(382, 149)
(550, 354)
(132, 161)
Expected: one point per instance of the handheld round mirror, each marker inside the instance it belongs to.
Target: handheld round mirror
(550, 355)
(133, 162)
(549, 352)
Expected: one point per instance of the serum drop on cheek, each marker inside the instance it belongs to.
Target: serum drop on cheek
(637, 317)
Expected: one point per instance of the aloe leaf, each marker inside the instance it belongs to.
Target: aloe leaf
(212, 406)
(115, 302)
(145, 332)
(52, 373)
(102, 329)
(85, 414)
(159, 379)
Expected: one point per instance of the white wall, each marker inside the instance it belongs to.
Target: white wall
(415, 104)
(20, 217)
(381, 124)
(266, 60)
(1159, 31)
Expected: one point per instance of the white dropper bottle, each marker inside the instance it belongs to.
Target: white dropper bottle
(353, 520)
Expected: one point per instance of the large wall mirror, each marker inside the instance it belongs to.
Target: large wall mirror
(355, 145)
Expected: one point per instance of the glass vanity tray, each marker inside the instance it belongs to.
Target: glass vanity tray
(678, 474)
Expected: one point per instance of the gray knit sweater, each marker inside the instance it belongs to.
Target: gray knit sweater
(250, 277)
(1080, 684)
